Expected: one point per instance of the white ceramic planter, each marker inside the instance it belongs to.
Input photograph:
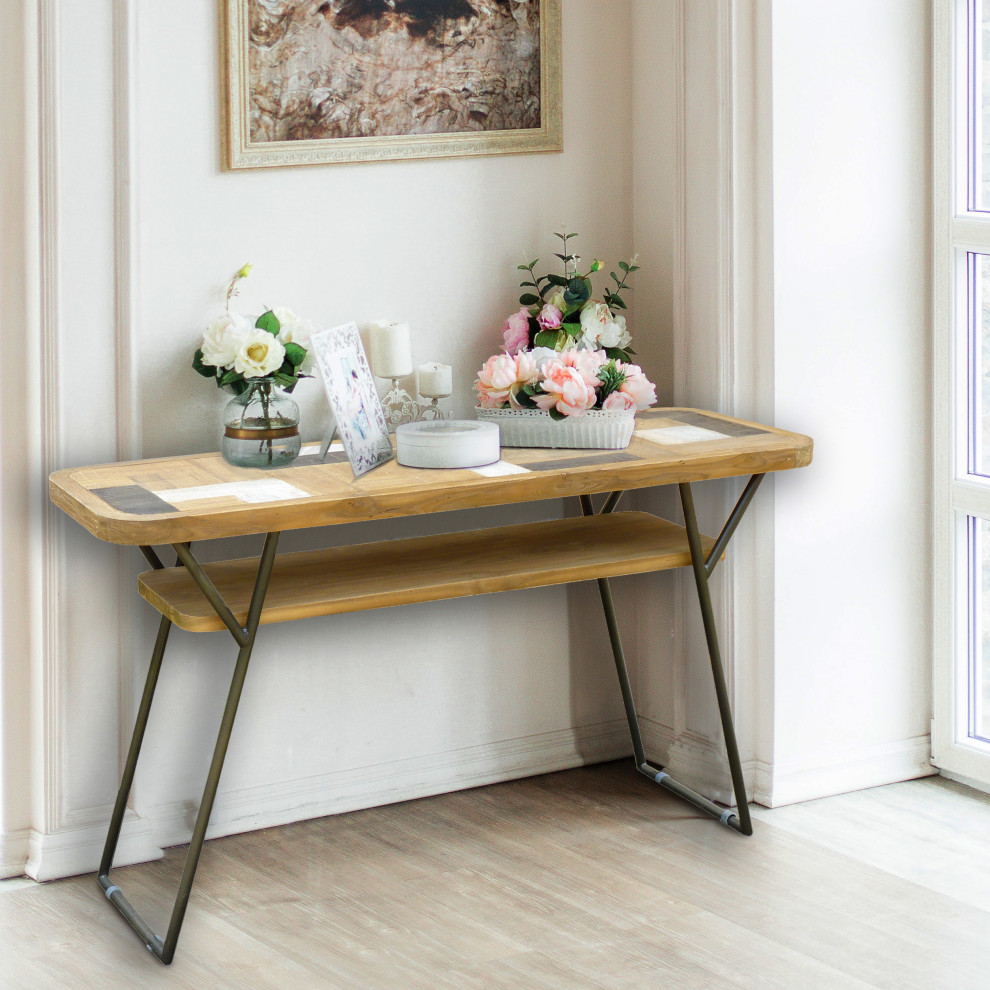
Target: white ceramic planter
(535, 428)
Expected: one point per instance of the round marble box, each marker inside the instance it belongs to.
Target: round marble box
(447, 443)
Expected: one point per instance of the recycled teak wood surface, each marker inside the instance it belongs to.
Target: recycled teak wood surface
(123, 503)
(426, 568)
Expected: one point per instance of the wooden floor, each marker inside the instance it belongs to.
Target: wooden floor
(590, 878)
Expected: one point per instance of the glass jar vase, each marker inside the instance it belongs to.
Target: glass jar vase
(261, 426)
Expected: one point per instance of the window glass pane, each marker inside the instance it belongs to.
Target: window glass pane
(979, 651)
(979, 364)
(980, 104)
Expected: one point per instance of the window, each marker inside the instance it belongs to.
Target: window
(961, 728)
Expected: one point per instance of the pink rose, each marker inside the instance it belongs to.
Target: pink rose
(502, 376)
(638, 387)
(618, 402)
(566, 390)
(587, 363)
(494, 380)
(550, 317)
(516, 333)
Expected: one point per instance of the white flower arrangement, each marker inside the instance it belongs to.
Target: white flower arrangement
(238, 352)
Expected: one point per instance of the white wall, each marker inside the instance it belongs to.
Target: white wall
(851, 167)
(769, 163)
(141, 232)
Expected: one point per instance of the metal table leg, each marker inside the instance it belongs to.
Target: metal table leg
(703, 568)
(164, 948)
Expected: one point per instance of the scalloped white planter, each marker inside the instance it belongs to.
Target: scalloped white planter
(535, 428)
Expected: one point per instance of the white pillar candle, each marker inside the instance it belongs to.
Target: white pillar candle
(391, 351)
(435, 380)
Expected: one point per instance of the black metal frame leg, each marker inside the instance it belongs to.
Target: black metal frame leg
(164, 948)
(703, 568)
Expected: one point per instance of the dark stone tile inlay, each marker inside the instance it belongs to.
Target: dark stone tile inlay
(584, 460)
(134, 500)
(711, 423)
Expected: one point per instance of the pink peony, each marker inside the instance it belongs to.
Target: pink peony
(502, 376)
(516, 332)
(587, 363)
(618, 402)
(550, 317)
(637, 386)
(566, 389)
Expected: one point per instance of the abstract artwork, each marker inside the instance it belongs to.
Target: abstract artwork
(325, 81)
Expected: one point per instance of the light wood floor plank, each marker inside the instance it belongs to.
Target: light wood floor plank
(589, 879)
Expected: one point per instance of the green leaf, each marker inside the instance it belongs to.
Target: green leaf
(574, 329)
(229, 378)
(295, 354)
(546, 338)
(556, 414)
(269, 321)
(616, 354)
(206, 370)
(525, 399)
(522, 268)
(558, 280)
(616, 302)
(239, 387)
(578, 291)
(623, 266)
(634, 268)
(288, 382)
(527, 299)
(533, 264)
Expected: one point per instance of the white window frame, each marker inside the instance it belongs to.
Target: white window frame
(956, 493)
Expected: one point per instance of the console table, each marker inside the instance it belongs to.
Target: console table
(178, 500)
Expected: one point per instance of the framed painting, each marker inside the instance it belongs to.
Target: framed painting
(315, 83)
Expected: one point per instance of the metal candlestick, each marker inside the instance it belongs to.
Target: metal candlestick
(431, 410)
(399, 406)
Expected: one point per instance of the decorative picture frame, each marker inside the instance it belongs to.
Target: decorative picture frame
(309, 83)
(353, 398)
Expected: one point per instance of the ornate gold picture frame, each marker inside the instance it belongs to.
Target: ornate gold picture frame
(314, 83)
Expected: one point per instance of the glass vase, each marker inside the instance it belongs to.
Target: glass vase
(261, 427)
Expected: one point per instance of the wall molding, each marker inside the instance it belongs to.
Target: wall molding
(71, 852)
(48, 656)
(847, 770)
(126, 98)
(700, 763)
(75, 851)
(13, 852)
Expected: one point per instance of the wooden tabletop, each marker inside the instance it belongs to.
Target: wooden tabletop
(199, 497)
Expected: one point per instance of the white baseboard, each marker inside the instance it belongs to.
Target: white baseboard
(14, 853)
(697, 762)
(74, 851)
(265, 806)
(849, 770)
(700, 764)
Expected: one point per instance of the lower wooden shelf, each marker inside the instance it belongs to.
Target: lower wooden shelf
(427, 568)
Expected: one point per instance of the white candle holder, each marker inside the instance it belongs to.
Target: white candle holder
(399, 406)
(431, 410)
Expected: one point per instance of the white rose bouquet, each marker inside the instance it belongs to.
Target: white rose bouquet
(239, 353)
